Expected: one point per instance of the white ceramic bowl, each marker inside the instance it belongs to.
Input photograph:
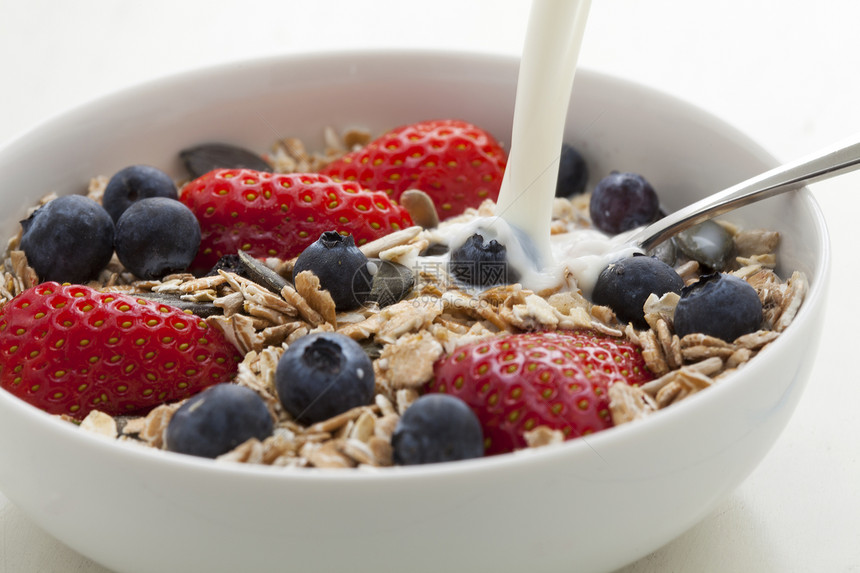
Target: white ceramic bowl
(586, 505)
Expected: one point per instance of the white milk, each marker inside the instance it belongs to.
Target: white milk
(545, 82)
(586, 252)
(524, 206)
(519, 249)
(583, 253)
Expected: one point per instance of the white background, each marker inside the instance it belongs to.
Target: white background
(786, 72)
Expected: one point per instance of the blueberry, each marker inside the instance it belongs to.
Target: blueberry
(476, 263)
(70, 239)
(322, 375)
(156, 237)
(623, 201)
(437, 428)
(626, 284)
(719, 305)
(341, 268)
(217, 420)
(572, 172)
(134, 183)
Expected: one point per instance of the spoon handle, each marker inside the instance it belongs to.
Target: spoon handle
(832, 161)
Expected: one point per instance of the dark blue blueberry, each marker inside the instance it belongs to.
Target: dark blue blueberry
(341, 268)
(719, 305)
(70, 239)
(476, 263)
(623, 201)
(217, 420)
(322, 375)
(572, 172)
(437, 428)
(156, 237)
(204, 158)
(625, 285)
(133, 184)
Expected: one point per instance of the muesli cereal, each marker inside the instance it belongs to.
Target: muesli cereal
(262, 310)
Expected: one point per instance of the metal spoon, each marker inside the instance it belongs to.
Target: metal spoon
(830, 162)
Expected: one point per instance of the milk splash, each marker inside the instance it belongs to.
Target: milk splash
(544, 85)
(524, 207)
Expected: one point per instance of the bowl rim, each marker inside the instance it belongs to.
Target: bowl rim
(569, 448)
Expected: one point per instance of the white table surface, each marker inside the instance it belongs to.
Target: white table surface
(786, 72)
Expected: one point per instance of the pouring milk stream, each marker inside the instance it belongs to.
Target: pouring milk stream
(524, 207)
(547, 68)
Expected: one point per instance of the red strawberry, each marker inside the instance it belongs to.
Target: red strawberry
(278, 215)
(556, 379)
(69, 349)
(457, 164)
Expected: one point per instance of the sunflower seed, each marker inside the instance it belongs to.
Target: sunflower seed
(261, 274)
(391, 282)
(204, 158)
(200, 308)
